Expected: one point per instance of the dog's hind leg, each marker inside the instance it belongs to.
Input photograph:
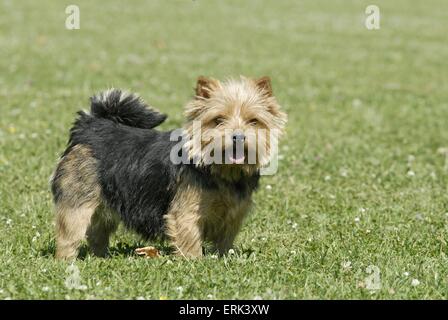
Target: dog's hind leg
(71, 227)
(76, 194)
(104, 222)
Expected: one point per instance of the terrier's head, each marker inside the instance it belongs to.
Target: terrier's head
(231, 125)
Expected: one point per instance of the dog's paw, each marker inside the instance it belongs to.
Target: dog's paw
(148, 252)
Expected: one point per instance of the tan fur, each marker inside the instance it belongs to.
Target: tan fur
(198, 215)
(229, 106)
(183, 221)
(79, 210)
(103, 223)
(222, 218)
(76, 176)
(71, 227)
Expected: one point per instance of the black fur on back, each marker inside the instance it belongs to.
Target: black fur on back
(125, 108)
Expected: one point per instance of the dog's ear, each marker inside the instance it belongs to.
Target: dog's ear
(264, 84)
(205, 86)
(265, 87)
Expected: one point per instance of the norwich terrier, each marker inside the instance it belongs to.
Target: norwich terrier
(191, 185)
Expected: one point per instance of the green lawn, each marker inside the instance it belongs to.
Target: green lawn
(361, 181)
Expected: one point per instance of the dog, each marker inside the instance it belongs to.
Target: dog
(118, 168)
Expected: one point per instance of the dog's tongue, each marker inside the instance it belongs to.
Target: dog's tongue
(238, 159)
(237, 155)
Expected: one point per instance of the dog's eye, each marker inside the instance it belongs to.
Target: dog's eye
(253, 122)
(218, 120)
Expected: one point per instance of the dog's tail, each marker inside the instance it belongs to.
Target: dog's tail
(125, 108)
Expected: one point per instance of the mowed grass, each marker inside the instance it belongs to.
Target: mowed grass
(361, 181)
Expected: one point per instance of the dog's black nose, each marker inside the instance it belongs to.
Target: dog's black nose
(238, 137)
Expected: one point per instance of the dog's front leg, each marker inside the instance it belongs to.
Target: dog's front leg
(224, 236)
(184, 232)
(183, 223)
(223, 241)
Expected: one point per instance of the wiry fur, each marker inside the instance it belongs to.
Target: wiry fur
(125, 108)
(239, 104)
(117, 167)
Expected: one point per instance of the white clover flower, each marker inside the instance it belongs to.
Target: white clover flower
(410, 173)
(357, 219)
(209, 296)
(346, 265)
(268, 187)
(415, 282)
(45, 289)
(294, 225)
(406, 274)
(35, 237)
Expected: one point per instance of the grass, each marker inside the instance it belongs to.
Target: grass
(360, 181)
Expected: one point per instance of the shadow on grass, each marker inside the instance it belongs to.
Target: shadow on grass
(122, 249)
